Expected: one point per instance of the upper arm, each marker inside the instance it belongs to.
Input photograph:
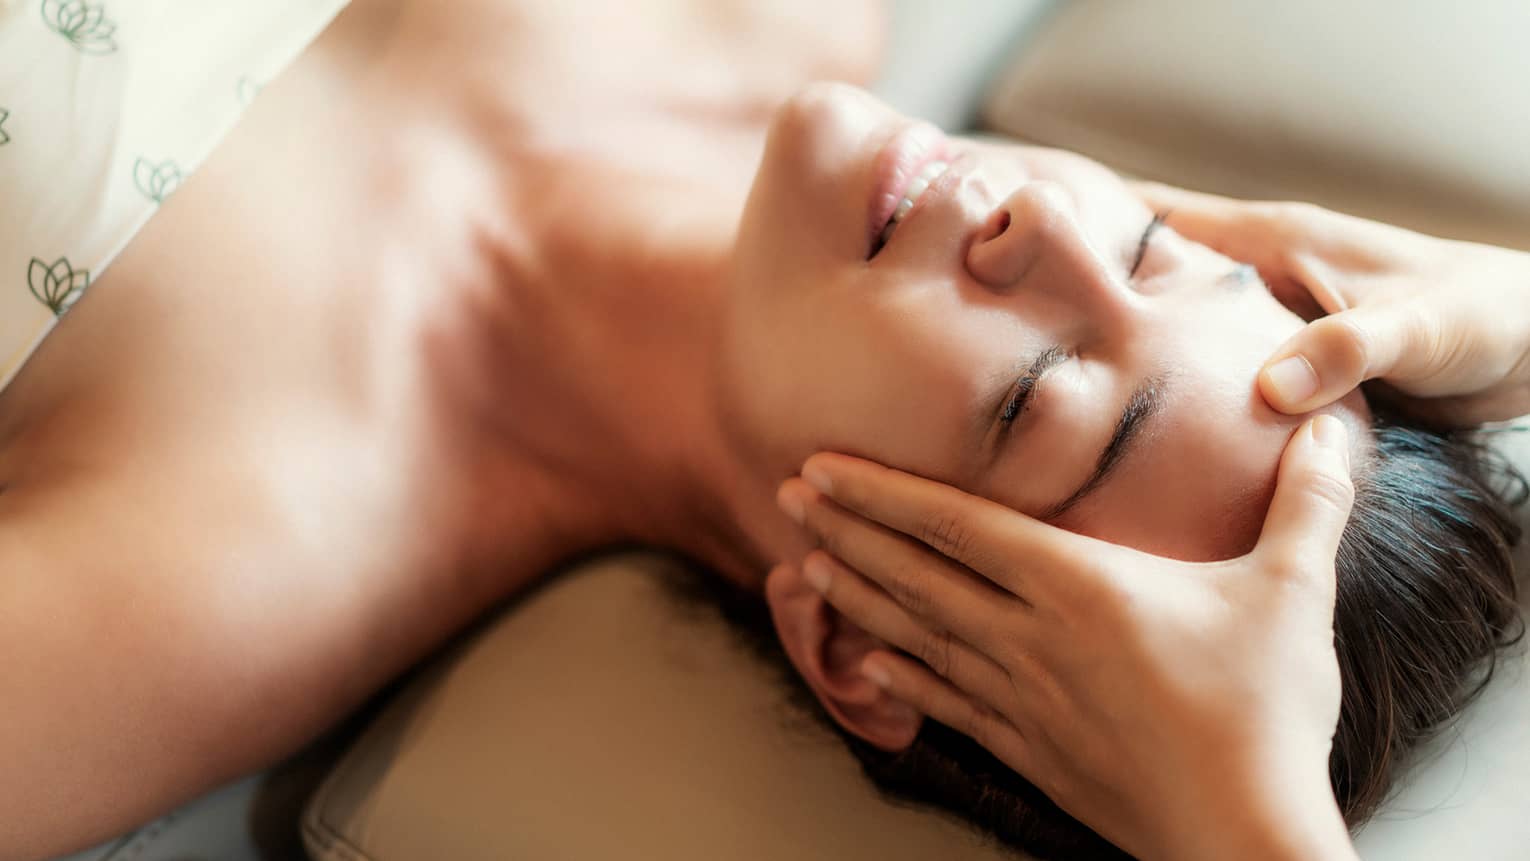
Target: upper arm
(129, 682)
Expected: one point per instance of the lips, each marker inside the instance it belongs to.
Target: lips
(895, 166)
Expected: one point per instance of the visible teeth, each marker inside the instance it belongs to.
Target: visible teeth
(916, 187)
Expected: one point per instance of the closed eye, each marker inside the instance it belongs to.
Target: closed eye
(1048, 359)
(1146, 238)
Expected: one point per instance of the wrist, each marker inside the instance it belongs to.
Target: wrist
(1282, 821)
(1308, 839)
(1316, 835)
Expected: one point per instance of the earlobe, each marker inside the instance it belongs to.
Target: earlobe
(827, 650)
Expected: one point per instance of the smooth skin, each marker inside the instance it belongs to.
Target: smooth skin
(434, 317)
(1442, 322)
(1219, 688)
(1133, 689)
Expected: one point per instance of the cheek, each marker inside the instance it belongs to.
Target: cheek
(1203, 493)
(1199, 484)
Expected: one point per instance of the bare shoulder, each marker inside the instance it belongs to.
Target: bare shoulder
(840, 41)
(729, 58)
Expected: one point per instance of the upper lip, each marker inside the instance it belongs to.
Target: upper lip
(894, 166)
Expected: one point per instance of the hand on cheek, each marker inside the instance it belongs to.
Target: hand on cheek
(1143, 694)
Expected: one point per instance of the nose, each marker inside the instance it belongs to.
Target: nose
(1033, 242)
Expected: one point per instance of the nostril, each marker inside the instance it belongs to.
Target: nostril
(997, 224)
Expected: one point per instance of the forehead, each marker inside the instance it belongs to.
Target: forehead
(1199, 485)
(909, 374)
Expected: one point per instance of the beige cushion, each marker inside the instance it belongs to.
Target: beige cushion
(1413, 112)
(599, 719)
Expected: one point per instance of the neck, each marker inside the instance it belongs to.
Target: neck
(618, 314)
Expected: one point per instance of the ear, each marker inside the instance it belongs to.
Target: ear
(827, 649)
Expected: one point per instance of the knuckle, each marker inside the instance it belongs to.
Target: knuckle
(826, 527)
(1279, 221)
(980, 724)
(1427, 340)
(946, 532)
(936, 652)
(1350, 342)
(1300, 216)
(1007, 643)
(912, 591)
(1335, 491)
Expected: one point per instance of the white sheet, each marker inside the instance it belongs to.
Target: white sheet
(105, 108)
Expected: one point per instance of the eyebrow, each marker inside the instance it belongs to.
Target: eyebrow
(996, 425)
(1145, 403)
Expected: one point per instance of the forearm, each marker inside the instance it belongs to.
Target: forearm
(1319, 837)
(1277, 823)
(164, 656)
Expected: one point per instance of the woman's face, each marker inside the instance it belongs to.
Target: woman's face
(1012, 273)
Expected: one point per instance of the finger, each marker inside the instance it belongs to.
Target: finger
(1261, 234)
(1241, 229)
(1458, 413)
(990, 539)
(929, 586)
(1313, 496)
(876, 613)
(916, 685)
(1330, 356)
(1255, 227)
(1159, 196)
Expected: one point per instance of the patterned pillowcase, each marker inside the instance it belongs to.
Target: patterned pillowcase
(106, 106)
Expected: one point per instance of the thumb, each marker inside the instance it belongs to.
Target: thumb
(1253, 232)
(1332, 355)
(1313, 496)
(1159, 196)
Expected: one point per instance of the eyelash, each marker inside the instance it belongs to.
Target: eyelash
(1044, 362)
(1146, 239)
(1012, 409)
(1027, 382)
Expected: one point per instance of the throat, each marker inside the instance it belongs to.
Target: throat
(593, 409)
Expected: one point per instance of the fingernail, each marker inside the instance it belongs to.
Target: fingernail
(791, 504)
(1330, 432)
(813, 474)
(876, 673)
(1293, 379)
(816, 572)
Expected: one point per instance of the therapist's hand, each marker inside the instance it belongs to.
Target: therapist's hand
(1446, 324)
(1182, 710)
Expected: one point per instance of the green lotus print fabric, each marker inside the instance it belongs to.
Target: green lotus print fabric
(56, 285)
(156, 181)
(83, 23)
(107, 107)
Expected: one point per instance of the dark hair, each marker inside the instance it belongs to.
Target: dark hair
(1426, 599)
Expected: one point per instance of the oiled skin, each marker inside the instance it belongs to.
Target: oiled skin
(265, 465)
